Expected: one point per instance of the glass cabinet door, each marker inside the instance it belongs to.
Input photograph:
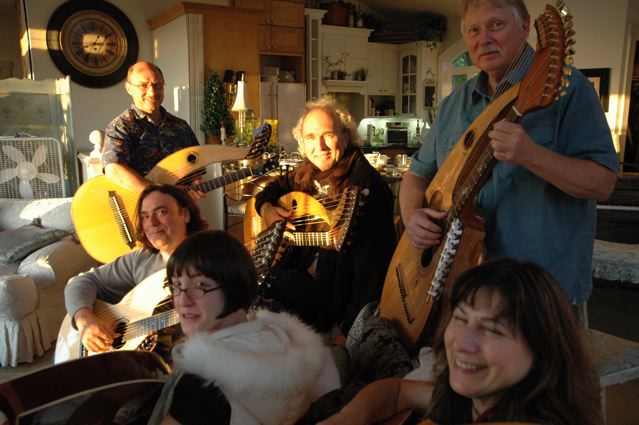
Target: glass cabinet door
(408, 83)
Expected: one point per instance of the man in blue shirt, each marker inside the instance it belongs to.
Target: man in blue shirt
(539, 203)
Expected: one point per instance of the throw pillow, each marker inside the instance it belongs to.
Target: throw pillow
(16, 244)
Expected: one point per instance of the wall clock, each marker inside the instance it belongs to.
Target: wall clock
(92, 41)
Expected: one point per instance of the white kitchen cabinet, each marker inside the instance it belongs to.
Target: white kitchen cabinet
(382, 69)
(345, 48)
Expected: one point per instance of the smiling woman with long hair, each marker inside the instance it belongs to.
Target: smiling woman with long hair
(509, 348)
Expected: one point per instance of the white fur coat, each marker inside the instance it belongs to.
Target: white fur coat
(270, 368)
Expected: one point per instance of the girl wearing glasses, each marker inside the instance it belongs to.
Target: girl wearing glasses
(234, 367)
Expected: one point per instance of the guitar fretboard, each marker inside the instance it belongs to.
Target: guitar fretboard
(227, 178)
(151, 324)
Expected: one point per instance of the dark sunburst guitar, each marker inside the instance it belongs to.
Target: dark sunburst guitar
(416, 278)
(103, 212)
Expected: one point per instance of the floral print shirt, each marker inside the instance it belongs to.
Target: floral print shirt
(132, 139)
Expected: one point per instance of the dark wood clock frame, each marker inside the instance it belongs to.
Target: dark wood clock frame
(66, 11)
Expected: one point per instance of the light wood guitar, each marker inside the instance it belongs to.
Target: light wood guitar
(415, 278)
(133, 319)
(335, 213)
(103, 212)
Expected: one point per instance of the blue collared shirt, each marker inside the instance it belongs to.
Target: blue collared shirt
(527, 217)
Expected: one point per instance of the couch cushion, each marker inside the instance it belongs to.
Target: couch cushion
(56, 263)
(17, 243)
(18, 296)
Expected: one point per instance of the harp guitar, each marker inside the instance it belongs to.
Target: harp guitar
(416, 278)
(102, 211)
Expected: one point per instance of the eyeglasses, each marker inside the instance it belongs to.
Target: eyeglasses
(193, 292)
(148, 85)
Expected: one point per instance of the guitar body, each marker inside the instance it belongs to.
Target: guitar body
(416, 279)
(302, 204)
(137, 305)
(405, 298)
(95, 218)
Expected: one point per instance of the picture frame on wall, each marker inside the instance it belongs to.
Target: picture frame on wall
(600, 80)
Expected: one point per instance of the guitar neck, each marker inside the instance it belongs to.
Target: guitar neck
(223, 180)
(151, 324)
(312, 239)
(478, 170)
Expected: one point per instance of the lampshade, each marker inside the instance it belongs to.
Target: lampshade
(241, 103)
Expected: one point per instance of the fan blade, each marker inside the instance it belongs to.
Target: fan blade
(48, 178)
(14, 154)
(39, 156)
(7, 174)
(25, 190)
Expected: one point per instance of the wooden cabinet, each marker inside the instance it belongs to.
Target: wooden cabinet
(382, 69)
(282, 26)
(281, 40)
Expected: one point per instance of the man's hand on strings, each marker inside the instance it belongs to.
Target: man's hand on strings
(95, 336)
(195, 195)
(422, 229)
(270, 214)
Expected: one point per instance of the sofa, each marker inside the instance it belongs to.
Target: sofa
(38, 255)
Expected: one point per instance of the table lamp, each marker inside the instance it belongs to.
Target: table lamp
(241, 106)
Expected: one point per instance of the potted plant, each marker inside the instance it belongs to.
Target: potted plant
(215, 112)
(360, 74)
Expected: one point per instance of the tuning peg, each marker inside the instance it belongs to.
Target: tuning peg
(567, 71)
(560, 4)
(570, 51)
(570, 33)
(570, 42)
(568, 60)
(568, 24)
(564, 83)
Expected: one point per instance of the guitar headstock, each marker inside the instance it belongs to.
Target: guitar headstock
(261, 137)
(546, 80)
(271, 162)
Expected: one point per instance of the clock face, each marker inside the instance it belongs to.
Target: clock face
(92, 41)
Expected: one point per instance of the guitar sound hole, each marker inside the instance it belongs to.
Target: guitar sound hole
(469, 139)
(120, 329)
(192, 158)
(427, 256)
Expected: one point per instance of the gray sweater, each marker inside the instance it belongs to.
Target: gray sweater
(111, 281)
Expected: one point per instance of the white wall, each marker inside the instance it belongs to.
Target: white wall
(10, 46)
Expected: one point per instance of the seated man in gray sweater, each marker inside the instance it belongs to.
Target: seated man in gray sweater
(165, 216)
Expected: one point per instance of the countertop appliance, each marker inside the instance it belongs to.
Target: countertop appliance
(397, 133)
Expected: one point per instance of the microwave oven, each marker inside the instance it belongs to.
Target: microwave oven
(397, 133)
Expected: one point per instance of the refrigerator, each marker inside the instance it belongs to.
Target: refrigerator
(284, 102)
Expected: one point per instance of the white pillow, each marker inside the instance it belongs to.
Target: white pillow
(18, 296)
(17, 243)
